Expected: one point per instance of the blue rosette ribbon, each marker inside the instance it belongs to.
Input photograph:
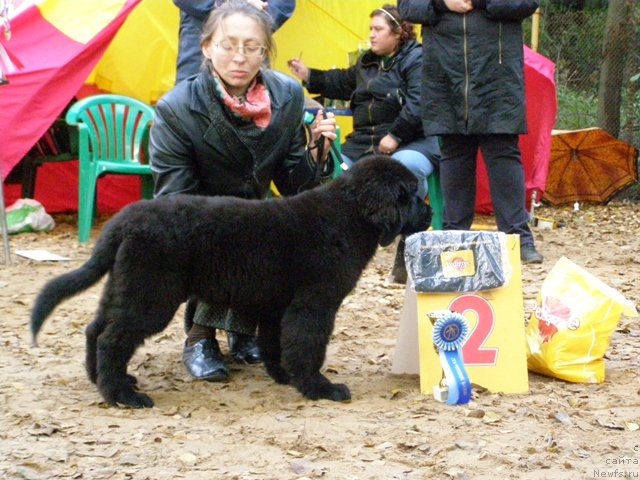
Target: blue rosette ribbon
(449, 334)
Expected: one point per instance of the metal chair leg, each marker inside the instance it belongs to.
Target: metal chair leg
(3, 225)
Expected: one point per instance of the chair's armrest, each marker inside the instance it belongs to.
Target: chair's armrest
(72, 114)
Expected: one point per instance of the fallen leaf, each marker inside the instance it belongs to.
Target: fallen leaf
(563, 417)
(29, 474)
(188, 458)
(58, 456)
(300, 467)
(130, 459)
(491, 417)
(606, 423)
(397, 393)
(550, 441)
(384, 446)
(475, 413)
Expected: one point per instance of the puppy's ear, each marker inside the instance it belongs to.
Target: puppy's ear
(382, 203)
(392, 230)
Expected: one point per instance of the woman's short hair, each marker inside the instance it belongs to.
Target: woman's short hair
(394, 20)
(225, 8)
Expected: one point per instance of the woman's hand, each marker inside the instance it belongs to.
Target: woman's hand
(388, 145)
(299, 69)
(326, 128)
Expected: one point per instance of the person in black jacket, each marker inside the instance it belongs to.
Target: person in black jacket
(473, 97)
(193, 14)
(384, 92)
(231, 130)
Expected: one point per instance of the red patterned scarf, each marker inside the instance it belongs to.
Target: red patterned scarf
(255, 106)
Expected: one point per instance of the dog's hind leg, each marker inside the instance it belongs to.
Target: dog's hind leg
(270, 351)
(127, 327)
(115, 349)
(305, 331)
(92, 332)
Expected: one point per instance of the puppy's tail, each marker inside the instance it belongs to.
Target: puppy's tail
(69, 284)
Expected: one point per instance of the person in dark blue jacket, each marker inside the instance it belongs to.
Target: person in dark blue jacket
(473, 97)
(231, 130)
(193, 14)
(383, 88)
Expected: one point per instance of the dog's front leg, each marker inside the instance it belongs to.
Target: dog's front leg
(305, 331)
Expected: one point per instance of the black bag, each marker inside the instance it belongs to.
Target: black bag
(457, 261)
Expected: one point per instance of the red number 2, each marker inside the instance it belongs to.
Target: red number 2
(473, 351)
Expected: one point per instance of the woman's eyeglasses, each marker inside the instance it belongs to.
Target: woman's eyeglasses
(249, 51)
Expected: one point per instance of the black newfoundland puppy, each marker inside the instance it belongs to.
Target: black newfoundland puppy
(289, 262)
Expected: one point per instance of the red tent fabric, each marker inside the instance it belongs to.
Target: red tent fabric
(540, 95)
(55, 65)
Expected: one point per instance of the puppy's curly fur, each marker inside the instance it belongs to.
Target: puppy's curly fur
(289, 262)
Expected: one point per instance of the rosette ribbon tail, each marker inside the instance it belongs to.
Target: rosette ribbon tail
(449, 335)
(455, 374)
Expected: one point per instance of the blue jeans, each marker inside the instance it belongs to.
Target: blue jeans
(415, 161)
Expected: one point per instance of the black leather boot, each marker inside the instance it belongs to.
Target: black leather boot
(399, 272)
(203, 360)
(243, 348)
(529, 254)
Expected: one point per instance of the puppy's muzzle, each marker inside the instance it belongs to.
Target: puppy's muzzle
(419, 217)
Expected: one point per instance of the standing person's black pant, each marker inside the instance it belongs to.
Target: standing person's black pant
(501, 155)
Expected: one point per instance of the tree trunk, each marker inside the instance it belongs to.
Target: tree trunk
(633, 68)
(616, 49)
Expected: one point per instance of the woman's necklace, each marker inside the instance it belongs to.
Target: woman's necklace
(240, 98)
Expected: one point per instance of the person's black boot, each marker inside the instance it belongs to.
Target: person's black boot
(529, 254)
(203, 360)
(399, 272)
(243, 348)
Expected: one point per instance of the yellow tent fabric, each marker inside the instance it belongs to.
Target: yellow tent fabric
(324, 31)
(83, 20)
(140, 62)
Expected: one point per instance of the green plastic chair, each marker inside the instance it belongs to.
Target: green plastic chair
(113, 133)
(435, 200)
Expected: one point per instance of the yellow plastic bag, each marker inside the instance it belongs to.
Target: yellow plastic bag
(571, 326)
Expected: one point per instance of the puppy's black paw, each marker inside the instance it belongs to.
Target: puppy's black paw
(127, 396)
(338, 392)
(134, 399)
